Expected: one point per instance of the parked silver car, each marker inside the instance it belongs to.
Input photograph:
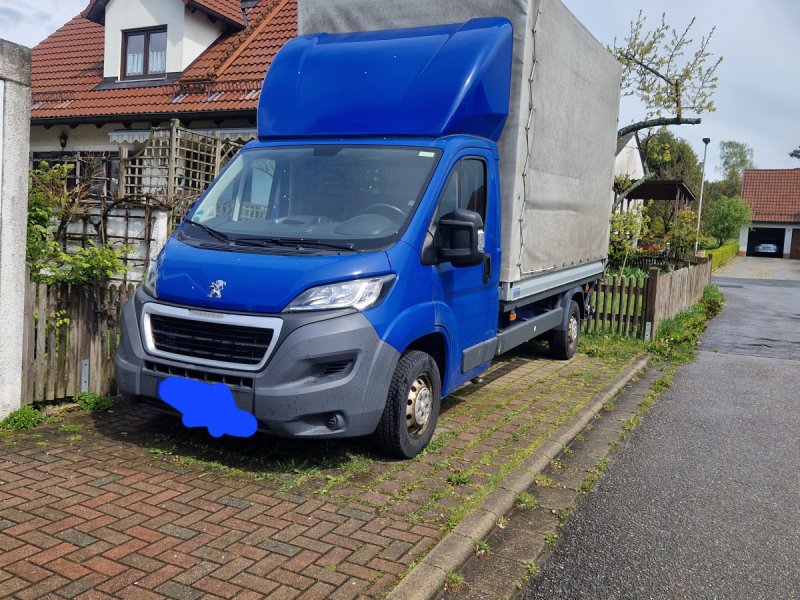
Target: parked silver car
(766, 248)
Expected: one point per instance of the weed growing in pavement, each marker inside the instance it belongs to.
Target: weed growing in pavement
(482, 548)
(70, 428)
(524, 500)
(458, 479)
(556, 463)
(26, 417)
(93, 402)
(501, 523)
(453, 582)
(435, 447)
(531, 568)
(551, 539)
(544, 480)
(75, 438)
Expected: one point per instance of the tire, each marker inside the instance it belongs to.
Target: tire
(412, 407)
(564, 343)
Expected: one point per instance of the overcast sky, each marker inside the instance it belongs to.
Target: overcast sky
(758, 98)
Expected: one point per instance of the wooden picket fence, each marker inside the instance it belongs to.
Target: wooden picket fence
(71, 333)
(618, 304)
(635, 306)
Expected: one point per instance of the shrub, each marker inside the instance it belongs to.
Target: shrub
(91, 401)
(723, 254)
(26, 417)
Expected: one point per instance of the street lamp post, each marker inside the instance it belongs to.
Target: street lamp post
(702, 185)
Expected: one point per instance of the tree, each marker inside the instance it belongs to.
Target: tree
(795, 153)
(734, 158)
(672, 158)
(657, 70)
(683, 234)
(627, 228)
(726, 217)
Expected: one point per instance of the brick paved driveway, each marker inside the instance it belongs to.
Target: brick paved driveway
(132, 505)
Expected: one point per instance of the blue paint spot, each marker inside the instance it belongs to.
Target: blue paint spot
(207, 405)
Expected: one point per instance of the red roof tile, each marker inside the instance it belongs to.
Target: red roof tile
(230, 10)
(67, 68)
(773, 194)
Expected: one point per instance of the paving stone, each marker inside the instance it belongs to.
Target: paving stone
(127, 520)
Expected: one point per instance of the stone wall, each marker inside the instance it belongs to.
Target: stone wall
(15, 62)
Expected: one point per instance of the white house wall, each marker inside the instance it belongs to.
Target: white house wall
(198, 34)
(85, 138)
(629, 161)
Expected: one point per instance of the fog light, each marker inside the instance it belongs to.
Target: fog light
(334, 421)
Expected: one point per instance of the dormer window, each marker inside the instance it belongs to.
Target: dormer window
(144, 53)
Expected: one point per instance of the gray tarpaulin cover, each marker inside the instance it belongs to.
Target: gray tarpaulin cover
(557, 150)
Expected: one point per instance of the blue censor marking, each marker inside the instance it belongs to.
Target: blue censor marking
(207, 405)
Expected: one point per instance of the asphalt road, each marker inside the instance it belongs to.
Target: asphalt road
(704, 500)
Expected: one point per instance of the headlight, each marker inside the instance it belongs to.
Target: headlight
(358, 293)
(150, 280)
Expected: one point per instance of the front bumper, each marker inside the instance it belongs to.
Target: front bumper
(328, 376)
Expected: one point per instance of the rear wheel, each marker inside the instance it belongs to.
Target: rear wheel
(564, 343)
(412, 406)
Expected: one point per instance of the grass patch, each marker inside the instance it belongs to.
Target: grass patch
(453, 582)
(524, 500)
(602, 345)
(544, 480)
(26, 417)
(676, 339)
(71, 428)
(93, 402)
(482, 548)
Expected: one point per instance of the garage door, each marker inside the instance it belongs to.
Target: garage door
(766, 241)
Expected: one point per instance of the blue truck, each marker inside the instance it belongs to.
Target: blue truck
(430, 188)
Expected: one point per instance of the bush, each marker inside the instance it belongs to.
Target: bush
(707, 242)
(26, 417)
(723, 254)
(91, 401)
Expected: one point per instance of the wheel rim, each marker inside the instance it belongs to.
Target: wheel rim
(573, 329)
(419, 406)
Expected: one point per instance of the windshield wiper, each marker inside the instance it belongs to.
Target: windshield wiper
(294, 243)
(212, 232)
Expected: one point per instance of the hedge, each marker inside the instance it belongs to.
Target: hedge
(723, 254)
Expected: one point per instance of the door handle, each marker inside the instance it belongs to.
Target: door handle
(487, 268)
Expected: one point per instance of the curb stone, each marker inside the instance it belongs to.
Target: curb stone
(426, 581)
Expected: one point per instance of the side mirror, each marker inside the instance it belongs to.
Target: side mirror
(461, 238)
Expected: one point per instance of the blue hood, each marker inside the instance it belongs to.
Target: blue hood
(257, 283)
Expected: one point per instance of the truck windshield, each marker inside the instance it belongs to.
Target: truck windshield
(323, 197)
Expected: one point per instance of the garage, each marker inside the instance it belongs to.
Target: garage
(766, 241)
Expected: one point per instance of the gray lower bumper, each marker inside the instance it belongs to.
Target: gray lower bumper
(326, 378)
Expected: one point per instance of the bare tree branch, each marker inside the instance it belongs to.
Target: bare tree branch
(660, 122)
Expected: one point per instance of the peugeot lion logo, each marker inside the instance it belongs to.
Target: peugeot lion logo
(216, 288)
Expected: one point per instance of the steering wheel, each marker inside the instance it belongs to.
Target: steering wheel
(389, 209)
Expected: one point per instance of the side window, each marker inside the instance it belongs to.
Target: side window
(473, 186)
(448, 201)
(465, 188)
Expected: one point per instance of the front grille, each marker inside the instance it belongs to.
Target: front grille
(172, 371)
(210, 341)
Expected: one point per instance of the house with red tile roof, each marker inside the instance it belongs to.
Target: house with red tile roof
(774, 198)
(123, 67)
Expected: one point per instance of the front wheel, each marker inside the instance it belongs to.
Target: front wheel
(412, 406)
(564, 343)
